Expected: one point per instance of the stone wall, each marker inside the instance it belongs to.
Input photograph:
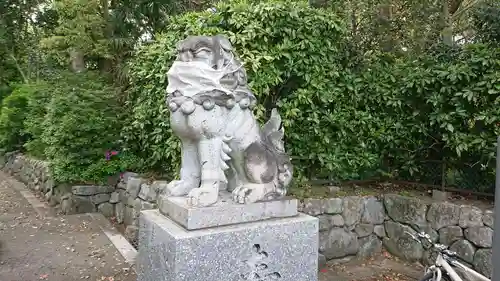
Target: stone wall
(132, 195)
(34, 173)
(121, 199)
(350, 227)
(355, 226)
(121, 202)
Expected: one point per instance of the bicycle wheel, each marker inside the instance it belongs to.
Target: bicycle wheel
(430, 277)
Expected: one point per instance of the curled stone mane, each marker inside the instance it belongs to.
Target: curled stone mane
(235, 78)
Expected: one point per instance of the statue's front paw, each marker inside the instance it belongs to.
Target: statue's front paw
(202, 197)
(180, 187)
(248, 194)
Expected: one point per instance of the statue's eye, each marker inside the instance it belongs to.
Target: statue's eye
(202, 51)
(202, 54)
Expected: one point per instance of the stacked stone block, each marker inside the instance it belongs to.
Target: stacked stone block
(355, 227)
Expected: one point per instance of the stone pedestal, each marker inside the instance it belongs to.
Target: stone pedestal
(205, 245)
(225, 212)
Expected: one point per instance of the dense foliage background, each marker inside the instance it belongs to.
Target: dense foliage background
(367, 89)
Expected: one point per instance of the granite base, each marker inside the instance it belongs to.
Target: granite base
(284, 249)
(225, 211)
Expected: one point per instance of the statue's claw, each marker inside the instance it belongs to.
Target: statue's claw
(179, 187)
(248, 194)
(202, 197)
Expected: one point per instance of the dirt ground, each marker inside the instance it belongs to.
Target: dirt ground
(37, 244)
(381, 268)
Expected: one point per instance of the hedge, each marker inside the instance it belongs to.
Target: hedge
(289, 49)
(71, 120)
(346, 115)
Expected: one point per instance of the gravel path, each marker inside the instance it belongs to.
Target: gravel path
(36, 244)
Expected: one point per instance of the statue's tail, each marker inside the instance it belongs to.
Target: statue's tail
(272, 137)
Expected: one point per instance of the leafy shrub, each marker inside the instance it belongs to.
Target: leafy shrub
(82, 122)
(291, 52)
(487, 22)
(442, 106)
(12, 116)
(33, 123)
(347, 115)
(5, 90)
(462, 98)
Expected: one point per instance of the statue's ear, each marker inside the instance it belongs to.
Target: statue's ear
(218, 59)
(224, 42)
(180, 45)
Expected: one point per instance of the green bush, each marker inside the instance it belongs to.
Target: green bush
(486, 21)
(5, 90)
(82, 123)
(291, 52)
(442, 106)
(346, 115)
(33, 123)
(12, 116)
(458, 99)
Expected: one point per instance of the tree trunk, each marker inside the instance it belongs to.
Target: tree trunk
(447, 32)
(352, 18)
(77, 61)
(384, 19)
(105, 64)
(454, 5)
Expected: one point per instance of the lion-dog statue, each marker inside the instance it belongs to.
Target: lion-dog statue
(223, 146)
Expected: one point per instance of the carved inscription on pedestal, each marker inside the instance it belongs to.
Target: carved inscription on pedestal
(258, 267)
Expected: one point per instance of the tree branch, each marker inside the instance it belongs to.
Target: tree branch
(25, 79)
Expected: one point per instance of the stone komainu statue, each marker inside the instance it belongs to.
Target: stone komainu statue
(223, 146)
